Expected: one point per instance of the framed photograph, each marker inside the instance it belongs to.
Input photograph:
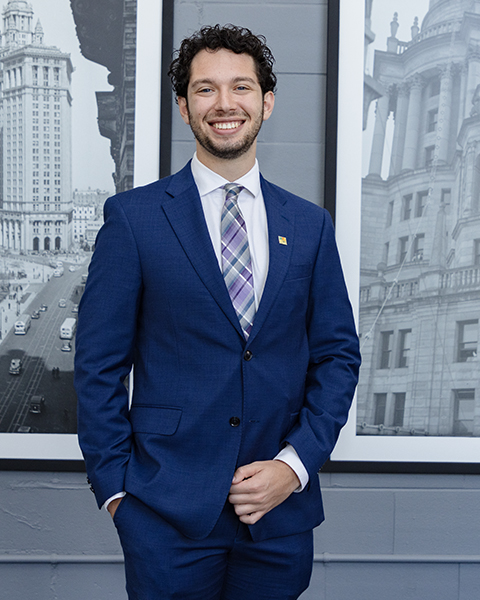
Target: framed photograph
(73, 108)
(407, 219)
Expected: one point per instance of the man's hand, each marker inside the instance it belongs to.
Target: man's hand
(113, 505)
(259, 487)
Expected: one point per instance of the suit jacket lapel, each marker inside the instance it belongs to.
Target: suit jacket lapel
(280, 241)
(185, 214)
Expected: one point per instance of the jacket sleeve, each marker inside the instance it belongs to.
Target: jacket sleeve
(105, 343)
(334, 358)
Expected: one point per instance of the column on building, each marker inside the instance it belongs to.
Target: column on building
(9, 234)
(24, 241)
(469, 174)
(18, 235)
(438, 255)
(378, 143)
(398, 142)
(463, 71)
(413, 123)
(444, 113)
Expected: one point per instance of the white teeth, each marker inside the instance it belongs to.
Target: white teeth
(229, 125)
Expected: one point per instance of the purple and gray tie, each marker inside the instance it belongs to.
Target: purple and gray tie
(236, 262)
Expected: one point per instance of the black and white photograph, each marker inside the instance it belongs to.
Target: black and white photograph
(415, 183)
(420, 252)
(67, 106)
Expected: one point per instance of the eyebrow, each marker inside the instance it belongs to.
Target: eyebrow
(234, 80)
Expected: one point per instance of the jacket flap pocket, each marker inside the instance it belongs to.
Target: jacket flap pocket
(159, 420)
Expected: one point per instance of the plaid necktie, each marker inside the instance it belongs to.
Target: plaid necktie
(236, 262)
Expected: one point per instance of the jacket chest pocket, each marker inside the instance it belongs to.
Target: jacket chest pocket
(299, 271)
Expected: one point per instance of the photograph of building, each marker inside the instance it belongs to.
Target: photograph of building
(420, 248)
(67, 107)
(36, 101)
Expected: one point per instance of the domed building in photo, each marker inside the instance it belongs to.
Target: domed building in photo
(420, 249)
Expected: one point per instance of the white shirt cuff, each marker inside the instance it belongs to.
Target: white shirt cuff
(114, 497)
(289, 456)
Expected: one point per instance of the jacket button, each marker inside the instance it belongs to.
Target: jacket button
(248, 355)
(234, 421)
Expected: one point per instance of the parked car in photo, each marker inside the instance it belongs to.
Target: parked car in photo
(62, 303)
(15, 366)
(35, 314)
(75, 308)
(24, 429)
(43, 308)
(66, 347)
(72, 268)
(37, 404)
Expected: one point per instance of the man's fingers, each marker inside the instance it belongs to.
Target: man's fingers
(245, 472)
(251, 518)
(259, 487)
(245, 509)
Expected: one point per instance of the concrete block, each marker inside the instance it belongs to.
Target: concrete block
(20, 582)
(437, 522)
(299, 110)
(366, 581)
(469, 577)
(295, 167)
(182, 152)
(95, 582)
(72, 524)
(356, 522)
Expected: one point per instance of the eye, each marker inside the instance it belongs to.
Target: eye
(205, 90)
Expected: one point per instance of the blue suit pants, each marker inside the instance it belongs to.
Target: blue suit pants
(163, 564)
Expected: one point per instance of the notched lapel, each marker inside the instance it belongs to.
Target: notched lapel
(185, 214)
(281, 221)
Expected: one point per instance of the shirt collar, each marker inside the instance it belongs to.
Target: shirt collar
(207, 180)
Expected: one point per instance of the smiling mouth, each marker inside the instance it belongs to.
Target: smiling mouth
(227, 125)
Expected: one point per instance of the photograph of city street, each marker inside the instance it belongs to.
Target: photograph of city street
(67, 72)
(420, 228)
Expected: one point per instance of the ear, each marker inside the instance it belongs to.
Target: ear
(183, 108)
(268, 104)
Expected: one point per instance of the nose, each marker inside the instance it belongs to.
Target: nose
(224, 101)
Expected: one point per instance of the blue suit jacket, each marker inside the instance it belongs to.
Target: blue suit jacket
(155, 298)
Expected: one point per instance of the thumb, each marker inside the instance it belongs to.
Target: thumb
(245, 472)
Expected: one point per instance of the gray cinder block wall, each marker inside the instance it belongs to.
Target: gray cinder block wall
(387, 536)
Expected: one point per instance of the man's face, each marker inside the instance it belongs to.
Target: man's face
(225, 107)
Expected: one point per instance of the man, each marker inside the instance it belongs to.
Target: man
(226, 294)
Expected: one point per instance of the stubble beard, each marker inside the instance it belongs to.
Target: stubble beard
(226, 152)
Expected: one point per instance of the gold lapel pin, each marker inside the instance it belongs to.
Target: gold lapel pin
(282, 240)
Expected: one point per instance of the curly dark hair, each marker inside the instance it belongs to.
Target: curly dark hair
(237, 39)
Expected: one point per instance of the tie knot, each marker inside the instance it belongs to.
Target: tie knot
(232, 190)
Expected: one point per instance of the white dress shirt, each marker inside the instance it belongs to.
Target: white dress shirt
(251, 205)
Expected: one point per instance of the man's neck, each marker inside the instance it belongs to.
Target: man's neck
(231, 170)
